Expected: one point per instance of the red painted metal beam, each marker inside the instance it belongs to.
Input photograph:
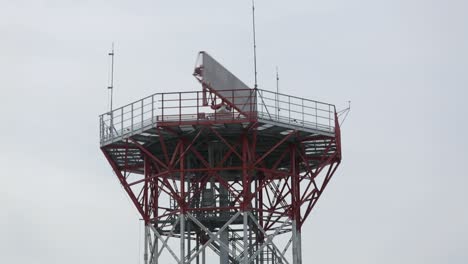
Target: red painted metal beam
(147, 152)
(273, 148)
(125, 185)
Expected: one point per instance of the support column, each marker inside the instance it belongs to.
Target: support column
(246, 242)
(260, 217)
(296, 207)
(246, 193)
(203, 257)
(182, 238)
(189, 187)
(299, 246)
(224, 254)
(151, 246)
(155, 253)
(146, 233)
(147, 171)
(182, 204)
(296, 244)
(197, 237)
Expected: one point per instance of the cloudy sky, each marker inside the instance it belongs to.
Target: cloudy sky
(399, 196)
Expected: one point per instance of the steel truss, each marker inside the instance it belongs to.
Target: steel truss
(237, 252)
(242, 195)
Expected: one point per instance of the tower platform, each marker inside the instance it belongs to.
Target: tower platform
(235, 171)
(167, 116)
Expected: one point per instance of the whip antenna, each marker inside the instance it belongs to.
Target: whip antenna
(254, 43)
(111, 85)
(277, 93)
(111, 90)
(344, 113)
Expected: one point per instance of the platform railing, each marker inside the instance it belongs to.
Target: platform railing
(295, 111)
(203, 107)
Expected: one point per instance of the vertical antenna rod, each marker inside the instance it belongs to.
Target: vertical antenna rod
(111, 86)
(277, 93)
(254, 43)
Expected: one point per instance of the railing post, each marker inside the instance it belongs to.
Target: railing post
(111, 123)
(234, 103)
(162, 107)
(142, 112)
(253, 100)
(121, 120)
(256, 104)
(100, 128)
(198, 105)
(302, 112)
(277, 107)
(131, 114)
(152, 109)
(316, 116)
(180, 107)
(263, 101)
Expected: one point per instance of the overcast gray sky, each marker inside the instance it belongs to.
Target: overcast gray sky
(399, 196)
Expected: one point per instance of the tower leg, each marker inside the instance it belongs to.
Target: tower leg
(182, 239)
(203, 257)
(246, 243)
(296, 243)
(146, 234)
(299, 247)
(151, 246)
(155, 253)
(224, 254)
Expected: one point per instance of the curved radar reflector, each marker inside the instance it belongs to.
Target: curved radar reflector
(218, 80)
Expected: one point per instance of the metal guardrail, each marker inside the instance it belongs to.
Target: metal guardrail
(181, 107)
(295, 111)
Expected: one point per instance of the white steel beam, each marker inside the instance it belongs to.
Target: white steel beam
(213, 237)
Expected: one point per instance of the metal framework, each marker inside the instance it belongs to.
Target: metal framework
(238, 183)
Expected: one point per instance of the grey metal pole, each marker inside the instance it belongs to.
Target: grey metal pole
(189, 231)
(277, 95)
(299, 247)
(155, 254)
(254, 44)
(182, 238)
(146, 244)
(111, 88)
(197, 248)
(246, 242)
(296, 243)
(203, 257)
(223, 253)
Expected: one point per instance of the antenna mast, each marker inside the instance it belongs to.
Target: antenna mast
(254, 43)
(111, 86)
(277, 92)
